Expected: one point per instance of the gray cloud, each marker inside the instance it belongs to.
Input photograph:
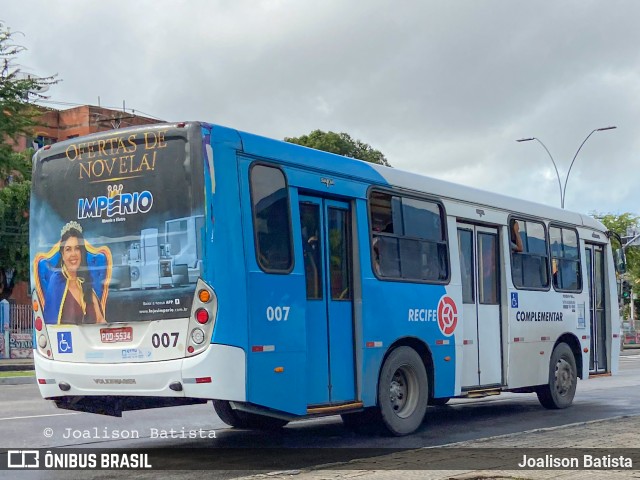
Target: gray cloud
(442, 88)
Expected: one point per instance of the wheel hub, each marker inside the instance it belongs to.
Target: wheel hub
(403, 391)
(397, 391)
(564, 377)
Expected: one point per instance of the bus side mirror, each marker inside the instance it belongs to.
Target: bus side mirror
(621, 262)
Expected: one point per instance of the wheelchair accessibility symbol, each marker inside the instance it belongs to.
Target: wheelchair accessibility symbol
(514, 299)
(65, 345)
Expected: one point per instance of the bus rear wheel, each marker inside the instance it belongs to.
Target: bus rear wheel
(403, 391)
(240, 419)
(563, 379)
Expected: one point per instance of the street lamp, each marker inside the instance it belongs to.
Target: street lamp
(552, 161)
(563, 190)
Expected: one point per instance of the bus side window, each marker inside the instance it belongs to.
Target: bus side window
(271, 222)
(530, 267)
(516, 268)
(408, 239)
(388, 257)
(565, 259)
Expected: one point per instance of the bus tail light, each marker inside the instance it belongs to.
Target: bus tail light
(204, 296)
(197, 335)
(42, 343)
(202, 316)
(203, 319)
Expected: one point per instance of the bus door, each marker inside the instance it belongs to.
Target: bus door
(595, 281)
(325, 227)
(480, 270)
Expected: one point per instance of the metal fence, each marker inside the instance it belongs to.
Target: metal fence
(21, 318)
(16, 330)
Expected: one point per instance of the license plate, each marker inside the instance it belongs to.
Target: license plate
(114, 335)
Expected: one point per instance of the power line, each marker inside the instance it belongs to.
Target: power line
(72, 104)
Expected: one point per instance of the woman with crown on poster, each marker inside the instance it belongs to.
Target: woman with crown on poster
(70, 297)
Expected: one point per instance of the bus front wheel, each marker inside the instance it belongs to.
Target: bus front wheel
(240, 419)
(403, 391)
(563, 379)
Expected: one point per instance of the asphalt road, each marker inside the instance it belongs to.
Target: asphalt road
(27, 421)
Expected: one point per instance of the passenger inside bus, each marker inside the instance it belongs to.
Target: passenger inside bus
(382, 244)
(516, 240)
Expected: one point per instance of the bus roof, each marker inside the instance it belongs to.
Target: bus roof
(356, 169)
(350, 167)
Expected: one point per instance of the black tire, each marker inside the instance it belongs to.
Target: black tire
(563, 379)
(239, 419)
(228, 415)
(403, 391)
(439, 402)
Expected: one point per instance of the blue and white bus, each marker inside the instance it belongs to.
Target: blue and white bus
(174, 264)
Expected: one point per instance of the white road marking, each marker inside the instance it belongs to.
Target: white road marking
(630, 357)
(40, 416)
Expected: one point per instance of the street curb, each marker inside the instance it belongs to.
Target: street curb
(17, 380)
(463, 443)
(535, 430)
(12, 367)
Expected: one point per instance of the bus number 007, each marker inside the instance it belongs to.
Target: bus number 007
(278, 314)
(165, 340)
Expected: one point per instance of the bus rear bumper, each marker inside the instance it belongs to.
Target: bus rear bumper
(217, 373)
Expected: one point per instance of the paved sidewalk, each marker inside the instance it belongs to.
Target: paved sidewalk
(13, 364)
(566, 441)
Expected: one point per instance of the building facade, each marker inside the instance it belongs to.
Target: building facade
(57, 125)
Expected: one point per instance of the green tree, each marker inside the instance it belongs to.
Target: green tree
(14, 228)
(620, 224)
(341, 144)
(18, 117)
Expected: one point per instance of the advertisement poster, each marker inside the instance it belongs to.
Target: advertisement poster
(117, 226)
(21, 345)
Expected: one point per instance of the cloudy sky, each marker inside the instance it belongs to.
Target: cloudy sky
(443, 88)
